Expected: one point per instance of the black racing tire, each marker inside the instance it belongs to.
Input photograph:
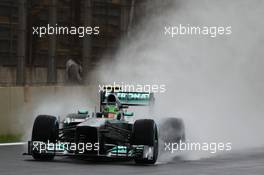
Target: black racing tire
(45, 128)
(145, 132)
(173, 130)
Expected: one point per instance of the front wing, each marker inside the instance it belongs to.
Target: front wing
(70, 149)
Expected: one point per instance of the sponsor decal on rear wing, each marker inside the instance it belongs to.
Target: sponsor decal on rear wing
(135, 98)
(131, 98)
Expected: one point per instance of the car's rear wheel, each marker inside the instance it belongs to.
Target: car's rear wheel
(172, 130)
(45, 129)
(145, 133)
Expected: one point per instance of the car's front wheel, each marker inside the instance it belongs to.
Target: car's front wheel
(145, 133)
(45, 128)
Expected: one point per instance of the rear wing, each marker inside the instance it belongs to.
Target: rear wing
(130, 98)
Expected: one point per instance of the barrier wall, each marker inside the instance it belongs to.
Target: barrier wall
(20, 105)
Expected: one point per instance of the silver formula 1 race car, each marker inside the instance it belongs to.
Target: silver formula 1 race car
(109, 133)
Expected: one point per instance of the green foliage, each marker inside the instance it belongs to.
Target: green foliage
(10, 138)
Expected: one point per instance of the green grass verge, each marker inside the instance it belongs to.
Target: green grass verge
(10, 138)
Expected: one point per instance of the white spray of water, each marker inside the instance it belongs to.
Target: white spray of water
(215, 84)
(55, 101)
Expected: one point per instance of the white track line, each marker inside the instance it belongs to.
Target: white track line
(12, 144)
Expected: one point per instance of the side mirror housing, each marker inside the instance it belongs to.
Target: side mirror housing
(124, 106)
(99, 115)
(129, 114)
(83, 111)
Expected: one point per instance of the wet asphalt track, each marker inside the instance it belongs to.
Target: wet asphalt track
(245, 163)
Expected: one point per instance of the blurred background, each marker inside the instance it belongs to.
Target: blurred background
(27, 59)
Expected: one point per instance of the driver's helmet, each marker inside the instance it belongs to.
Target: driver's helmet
(110, 111)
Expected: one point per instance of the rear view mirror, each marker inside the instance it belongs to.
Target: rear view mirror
(124, 106)
(130, 114)
(99, 115)
(82, 111)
